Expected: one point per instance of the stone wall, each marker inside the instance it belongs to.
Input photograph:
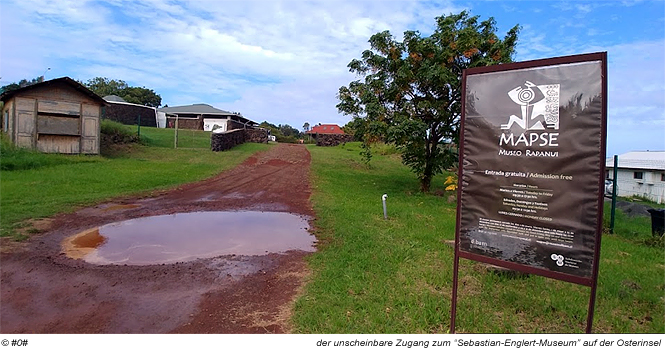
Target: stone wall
(256, 135)
(194, 124)
(227, 140)
(129, 114)
(232, 125)
(332, 139)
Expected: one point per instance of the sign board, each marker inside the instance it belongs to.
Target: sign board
(532, 160)
(211, 124)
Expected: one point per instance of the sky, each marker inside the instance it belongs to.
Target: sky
(284, 61)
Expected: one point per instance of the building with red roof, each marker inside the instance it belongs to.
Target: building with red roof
(325, 129)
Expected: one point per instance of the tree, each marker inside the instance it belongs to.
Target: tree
(105, 86)
(139, 95)
(283, 133)
(411, 92)
(288, 130)
(20, 84)
(142, 96)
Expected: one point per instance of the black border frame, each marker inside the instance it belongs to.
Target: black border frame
(589, 282)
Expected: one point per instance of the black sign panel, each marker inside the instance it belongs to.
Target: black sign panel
(532, 165)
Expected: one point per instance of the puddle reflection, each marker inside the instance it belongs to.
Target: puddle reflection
(183, 237)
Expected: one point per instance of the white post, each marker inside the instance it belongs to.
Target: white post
(385, 212)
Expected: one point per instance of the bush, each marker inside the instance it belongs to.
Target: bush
(286, 139)
(116, 133)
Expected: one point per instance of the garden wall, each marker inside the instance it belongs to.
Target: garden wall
(185, 123)
(332, 139)
(227, 140)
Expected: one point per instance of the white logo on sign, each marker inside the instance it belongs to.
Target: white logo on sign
(538, 112)
(558, 258)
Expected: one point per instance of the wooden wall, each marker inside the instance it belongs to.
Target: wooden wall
(55, 119)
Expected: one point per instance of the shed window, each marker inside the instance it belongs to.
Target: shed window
(662, 177)
(638, 175)
(5, 122)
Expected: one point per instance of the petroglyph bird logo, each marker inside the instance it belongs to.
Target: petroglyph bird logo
(539, 105)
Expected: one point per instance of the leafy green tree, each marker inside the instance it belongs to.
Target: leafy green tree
(142, 96)
(139, 95)
(411, 92)
(283, 133)
(105, 86)
(20, 84)
(288, 130)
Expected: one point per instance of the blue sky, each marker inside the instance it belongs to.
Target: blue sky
(284, 61)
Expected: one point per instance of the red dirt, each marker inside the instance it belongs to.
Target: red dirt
(43, 291)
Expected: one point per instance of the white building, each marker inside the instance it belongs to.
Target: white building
(640, 174)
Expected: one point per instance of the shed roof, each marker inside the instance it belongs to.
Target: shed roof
(66, 80)
(648, 160)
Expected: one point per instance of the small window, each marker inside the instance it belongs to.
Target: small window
(662, 177)
(5, 122)
(324, 127)
(607, 174)
(638, 175)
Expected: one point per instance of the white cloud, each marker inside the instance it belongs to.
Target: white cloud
(283, 61)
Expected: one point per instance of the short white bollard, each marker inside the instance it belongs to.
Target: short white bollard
(385, 212)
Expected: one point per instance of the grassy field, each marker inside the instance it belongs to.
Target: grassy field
(165, 138)
(395, 276)
(45, 184)
(370, 275)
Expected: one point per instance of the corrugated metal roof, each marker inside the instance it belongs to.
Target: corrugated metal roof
(198, 108)
(648, 160)
(114, 98)
(205, 110)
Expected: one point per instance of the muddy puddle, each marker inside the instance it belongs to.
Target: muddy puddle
(181, 237)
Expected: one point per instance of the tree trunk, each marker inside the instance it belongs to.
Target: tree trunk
(430, 151)
(425, 183)
(426, 180)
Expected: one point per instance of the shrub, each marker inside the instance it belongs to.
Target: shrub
(114, 133)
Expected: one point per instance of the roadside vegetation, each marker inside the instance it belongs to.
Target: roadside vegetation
(372, 275)
(35, 185)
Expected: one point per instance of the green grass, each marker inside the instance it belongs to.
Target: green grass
(372, 275)
(15, 158)
(155, 137)
(73, 181)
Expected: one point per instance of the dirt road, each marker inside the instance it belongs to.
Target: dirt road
(44, 291)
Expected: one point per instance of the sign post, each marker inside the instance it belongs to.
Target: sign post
(532, 165)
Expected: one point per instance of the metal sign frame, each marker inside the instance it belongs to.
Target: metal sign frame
(520, 67)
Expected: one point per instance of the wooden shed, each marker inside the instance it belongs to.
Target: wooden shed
(55, 116)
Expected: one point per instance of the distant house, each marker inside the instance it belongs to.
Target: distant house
(329, 135)
(639, 174)
(54, 116)
(205, 117)
(124, 112)
(325, 129)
